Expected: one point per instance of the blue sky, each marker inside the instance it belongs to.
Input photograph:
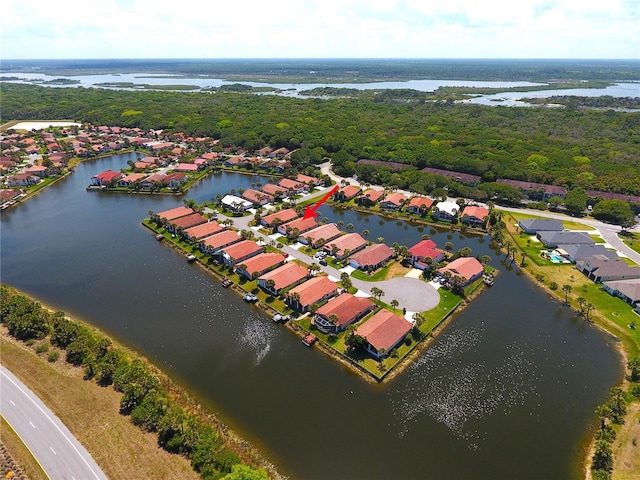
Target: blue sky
(320, 29)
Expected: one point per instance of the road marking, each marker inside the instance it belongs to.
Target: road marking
(31, 423)
(54, 452)
(11, 401)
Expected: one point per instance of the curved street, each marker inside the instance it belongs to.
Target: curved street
(49, 440)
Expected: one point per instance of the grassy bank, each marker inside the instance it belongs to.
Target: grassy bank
(118, 405)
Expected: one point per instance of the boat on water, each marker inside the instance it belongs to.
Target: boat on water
(191, 258)
(309, 339)
(250, 297)
(488, 280)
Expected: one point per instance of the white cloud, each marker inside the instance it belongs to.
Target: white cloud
(323, 28)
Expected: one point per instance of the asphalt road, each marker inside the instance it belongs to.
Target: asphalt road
(60, 454)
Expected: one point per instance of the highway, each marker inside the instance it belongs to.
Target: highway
(60, 454)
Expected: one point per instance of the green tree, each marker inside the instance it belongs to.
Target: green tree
(576, 201)
(634, 369)
(615, 211)
(567, 290)
(602, 457)
(244, 472)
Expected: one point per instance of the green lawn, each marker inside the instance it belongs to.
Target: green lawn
(632, 240)
(376, 277)
(569, 225)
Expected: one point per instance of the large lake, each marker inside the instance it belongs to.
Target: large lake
(507, 391)
(294, 89)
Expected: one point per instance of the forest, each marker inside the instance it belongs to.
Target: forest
(571, 147)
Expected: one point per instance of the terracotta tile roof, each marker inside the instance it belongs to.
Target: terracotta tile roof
(290, 184)
(479, 212)
(314, 289)
(108, 175)
(273, 190)
(221, 240)
(465, 267)
(350, 241)
(373, 255)
(283, 215)
(175, 213)
(373, 195)
(346, 307)
(189, 221)
(327, 232)
(255, 196)
(186, 167)
(424, 249)
(417, 202)
(285, 275)
(395, 198)
(306, 179)
(349, 191)
(263, 262)
(133, 177)
(242, 249)
(302, 224)
(384, 329)
(206, 229)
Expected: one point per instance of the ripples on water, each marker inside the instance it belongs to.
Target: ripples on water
(256, 335)
(468, 392)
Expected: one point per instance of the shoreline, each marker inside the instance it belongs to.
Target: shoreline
(174, 387)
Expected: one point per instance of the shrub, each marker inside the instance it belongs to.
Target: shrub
(43, 347)
(53, 356)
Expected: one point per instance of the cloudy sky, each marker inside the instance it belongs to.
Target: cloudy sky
(39, 29)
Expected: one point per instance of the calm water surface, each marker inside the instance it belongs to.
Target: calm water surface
(507, 391)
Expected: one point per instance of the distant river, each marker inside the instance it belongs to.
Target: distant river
(294, 89)
(507, 391)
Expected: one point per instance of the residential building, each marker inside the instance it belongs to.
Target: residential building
(186, 222)
(345, 245)
(260, 264)
(301, 225)
(279, 218)
(383, 332)
(318, 236)
(285, 276)
(575, 253)
(475, 216)
(424, 253)
(204, 230)
(418, 205)
(307, 180)
(236, 204)
(105, 178)
(217, 241)
(274, 190)
(186, 167)
(346, 193)
(293, 186)
(466, 269)
(393, 201)
(601, 269)
(341, 311)
(131, 179)
(567, 237)
(372, 257)
(535, 191)
(23, 180)
(370, 197)
(239, 252)
(461, 177)
(310, 292)
(446, 211)
(257, 198)
(627, 290)
(172, 214)
(535, 225)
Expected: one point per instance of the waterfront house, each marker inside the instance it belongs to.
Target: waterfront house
(274, 190)
(535, 225)
(257, 198)
(235, 204)
(236, 161)
(393, 201)
(341, 311)
(312, 291)
(554, 239)
(39, 170)
(105, 178)
(131, 179)
(204, 230)
(418, 205)
(156, 180)
(217, 241)
(239, 252)
(311, 182)
(446, 211)
(278, 218)
(318, 236)
(172, 214)
(186, 222)
(186, 167)
(346, 193)
(293, 186)
(174, 180)
(372, 257)
(601, 269)
(300, 225)
(345, 245)
(260, 264)
(465, 269)
(627, 290)
(575, 253)
(383, 332)
(475, 216)
(23, 180)
(424, 254)
(370, 197)
(285, 276)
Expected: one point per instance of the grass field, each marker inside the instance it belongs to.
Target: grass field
(92, 414)
(568, 225)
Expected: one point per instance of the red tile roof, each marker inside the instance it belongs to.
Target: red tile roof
(302, 224)
(206, 229)
(425, 248)
(395, 198)
(350, 241)
(314, 289)
(479, 212)
(417, 202)
(285, 275)
(175, 213)
(189, 221)
(221, 240)
(306, 179)
(327, 232)
(384, 329)
(255, 196)
(373, 255)
(465, 267)
(262, 262)
(242, 249)
(346, 307)
(109, 175)
(283, 215)
(290, 184)
(186, 167)
(274, 190)
(349, 191)
(373, 195)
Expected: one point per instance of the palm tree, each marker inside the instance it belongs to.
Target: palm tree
(375, 291)
(365, 233)
(425, 236)
(380, 239)
(340, 223)
(349, 227)
(582, 301)
(448, 246)
(394, 303)
(485, 259)
(346, 281)
(567, 290)
(314, 268)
